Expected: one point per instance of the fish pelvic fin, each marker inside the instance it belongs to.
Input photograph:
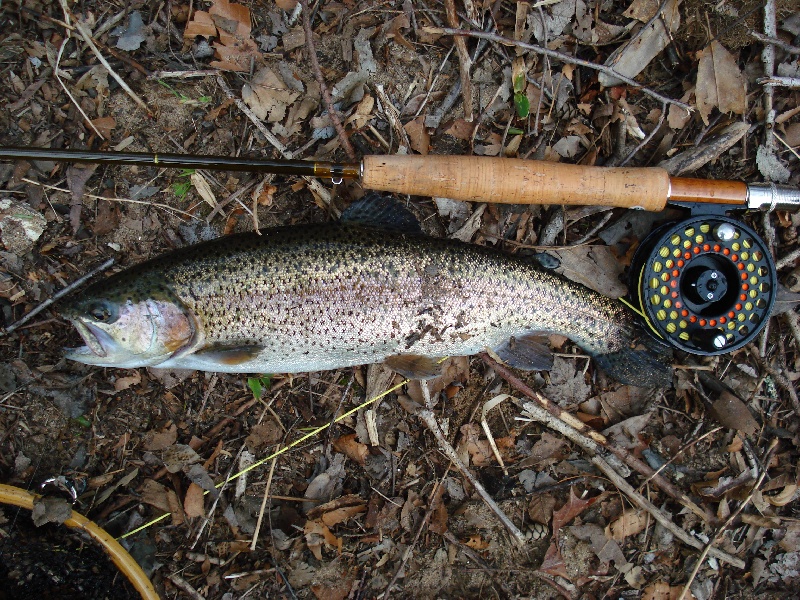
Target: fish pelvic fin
(414, 366)
(644, 362)
(528, 352)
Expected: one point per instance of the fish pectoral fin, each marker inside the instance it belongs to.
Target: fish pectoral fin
(527, 352)
(415, 366)
(229, 355)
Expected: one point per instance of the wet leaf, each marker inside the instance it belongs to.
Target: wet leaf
(354, 450)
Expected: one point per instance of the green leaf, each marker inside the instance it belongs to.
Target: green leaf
(522, 105)
(515, 131)
(519, 84)
(83, 422)
(181, 188)
(258, 385)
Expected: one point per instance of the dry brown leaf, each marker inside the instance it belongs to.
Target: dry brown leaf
(193, 503)
(160, 440)
(476, 542)
(334, 517)
(594, 266)
(354, 450)
(317, 534)
(540, 508)
(418, 135)
(200, 25)
(461, 129)
(105, 125)
(123, 383)
(263, 434)
(268, 96)
(573, 507)
(731, 412)
(549, 450)
(178, 456)
(784, 497)
(720, 83)
(629, 523)
(155, 494)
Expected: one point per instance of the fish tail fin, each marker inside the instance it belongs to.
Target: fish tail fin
(643, 361)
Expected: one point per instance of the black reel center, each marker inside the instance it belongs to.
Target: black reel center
(705, 285)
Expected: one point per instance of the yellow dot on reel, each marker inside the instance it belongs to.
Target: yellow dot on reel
(654, 282)
(676, 253)
(675, 239)
(699, 239)
(684, 336)
(745, 255)
(683, 324)
(663, 252)
(754, 280)
(657, 267)
(705, 228)
(655, 299)
(688, 232)
(735, 246)
(664, 290)
(669, 264)
(667, 303)
(732, 324)
(673, 315)
(671, 328)
(747, 243)
(661, 315)
(748, 306)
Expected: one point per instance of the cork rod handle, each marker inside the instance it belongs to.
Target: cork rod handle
(517, 181)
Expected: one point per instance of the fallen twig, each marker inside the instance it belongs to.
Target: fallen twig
(776, 81)
(314, 185)
(775, 42)
(710, 546)
(323, 87)
(464, 62)
(493, 37)
(429, 419)
(184, 585)
(87, 37)
(57, 296)
(590, 439)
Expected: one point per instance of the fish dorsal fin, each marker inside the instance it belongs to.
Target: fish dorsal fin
(383, 212)
(229, 355)
(526, 352)
(414, 366)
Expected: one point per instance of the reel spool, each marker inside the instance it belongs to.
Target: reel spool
(705, 285)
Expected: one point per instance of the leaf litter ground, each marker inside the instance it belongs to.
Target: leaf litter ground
(371, 503)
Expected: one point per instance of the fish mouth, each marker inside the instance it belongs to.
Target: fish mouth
(93, 337)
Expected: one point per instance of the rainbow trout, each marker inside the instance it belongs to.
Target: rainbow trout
(366, 289)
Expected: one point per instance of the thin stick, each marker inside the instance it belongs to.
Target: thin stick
(165, 207)
(707, 550)
(492, 37)
(566, 419)
(649, 137)
(429, 419)
(184, 585)
(314, 185)
(659, 516)
(71, 97)
(788, 260)
(775, 42)
(87, 37)
(464, 62)
(263, 504)
(323, 87)
(420, 529)
(56, 297)
(776, 81)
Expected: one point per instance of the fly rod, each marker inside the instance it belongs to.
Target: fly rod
(472, 178)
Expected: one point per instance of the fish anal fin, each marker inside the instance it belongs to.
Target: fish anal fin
(528, 352)
(229, 355)
(414, 366)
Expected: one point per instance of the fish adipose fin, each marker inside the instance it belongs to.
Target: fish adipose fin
(527, 352)
(382, 212)
(644, 363)
(228, 355)
(414, 366)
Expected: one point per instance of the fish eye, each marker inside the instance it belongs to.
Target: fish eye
(102, 312)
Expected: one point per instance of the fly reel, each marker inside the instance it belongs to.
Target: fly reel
(705, 285)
